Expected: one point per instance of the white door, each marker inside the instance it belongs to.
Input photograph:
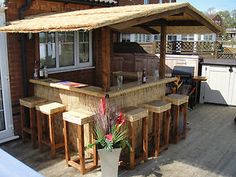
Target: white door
(217, 86)
(233, 86)
(6, 125)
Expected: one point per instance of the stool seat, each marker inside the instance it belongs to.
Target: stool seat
(133, 114)
(78, 117)
(158, 106)
(31, 102)
(176, 99)
(160, 124)
(49, 108)
(179, 116)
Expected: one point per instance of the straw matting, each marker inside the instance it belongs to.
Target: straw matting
(96, 18)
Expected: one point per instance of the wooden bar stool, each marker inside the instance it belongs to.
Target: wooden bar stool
(29, 103)
(161, 124)
(133, 115)
(49, 109)
(179, 104)
(79, 118)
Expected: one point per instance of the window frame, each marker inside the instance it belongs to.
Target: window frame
(77, 65)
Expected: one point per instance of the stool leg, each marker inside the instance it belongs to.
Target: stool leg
(176, 123)
(22, 115)
(51, 135)
(167, 129)
(81, 148)
(145, 138)
(133, 143)
(32, 127)
(39, 127)
(67, 153)
(95, 154)
(157, 134)
(185, 119)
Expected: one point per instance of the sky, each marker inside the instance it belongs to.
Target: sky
(203, 5)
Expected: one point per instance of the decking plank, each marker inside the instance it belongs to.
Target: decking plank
(208, 151)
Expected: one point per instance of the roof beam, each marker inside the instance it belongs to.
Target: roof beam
(150, 30)
(146, 19)
(201, 20)
(173, 23)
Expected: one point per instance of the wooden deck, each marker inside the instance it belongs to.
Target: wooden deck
(208, 151)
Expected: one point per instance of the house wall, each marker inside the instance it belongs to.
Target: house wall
(14, 51)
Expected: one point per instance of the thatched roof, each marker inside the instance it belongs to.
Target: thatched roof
(179, 17)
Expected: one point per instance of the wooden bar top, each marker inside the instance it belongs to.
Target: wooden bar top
(97, 91)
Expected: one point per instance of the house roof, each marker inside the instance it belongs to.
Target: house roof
(106, 1)
(97, 2)
(178, 17)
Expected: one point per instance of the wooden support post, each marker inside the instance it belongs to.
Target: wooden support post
(162, 52)
(106, 58)
(37, 52)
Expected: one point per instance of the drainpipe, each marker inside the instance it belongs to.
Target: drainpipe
(22, 10)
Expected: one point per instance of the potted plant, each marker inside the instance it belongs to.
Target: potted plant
(110, 137)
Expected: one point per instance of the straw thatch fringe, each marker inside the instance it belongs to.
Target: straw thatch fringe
(95, 18)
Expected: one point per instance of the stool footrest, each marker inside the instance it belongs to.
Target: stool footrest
(57, 146)
(27, 130)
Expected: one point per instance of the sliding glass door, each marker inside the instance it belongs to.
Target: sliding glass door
(6, 122)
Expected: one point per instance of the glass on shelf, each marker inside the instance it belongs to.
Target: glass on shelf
(139, 76)
(156, 74)
(119, 82)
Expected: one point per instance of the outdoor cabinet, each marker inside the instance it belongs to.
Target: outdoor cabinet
(220, 85)
(183, 60)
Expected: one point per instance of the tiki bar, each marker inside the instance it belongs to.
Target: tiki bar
(76, 60)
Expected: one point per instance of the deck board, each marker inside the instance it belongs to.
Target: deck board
(208, 151)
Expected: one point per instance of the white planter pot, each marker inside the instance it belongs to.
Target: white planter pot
(109, 162)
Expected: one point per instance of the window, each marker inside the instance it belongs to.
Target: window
(146, 2)
(125, 37)
(62, 51)
(208, 37)
(188, 37)
(157, 37)
(172, 38)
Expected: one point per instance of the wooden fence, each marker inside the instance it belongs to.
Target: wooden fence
(201, 48)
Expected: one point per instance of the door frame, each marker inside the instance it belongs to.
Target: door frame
(8, 133)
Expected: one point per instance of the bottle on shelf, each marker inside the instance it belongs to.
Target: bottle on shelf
(144, 77)
(36, 70)
(41, 72)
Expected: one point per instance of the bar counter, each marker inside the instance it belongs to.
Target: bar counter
(131, 93)
(88, 98)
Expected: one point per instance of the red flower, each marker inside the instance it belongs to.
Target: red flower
(120, 119)
(109, 137)
(103, 105)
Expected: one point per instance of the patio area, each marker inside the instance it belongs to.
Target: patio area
(208, 151)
